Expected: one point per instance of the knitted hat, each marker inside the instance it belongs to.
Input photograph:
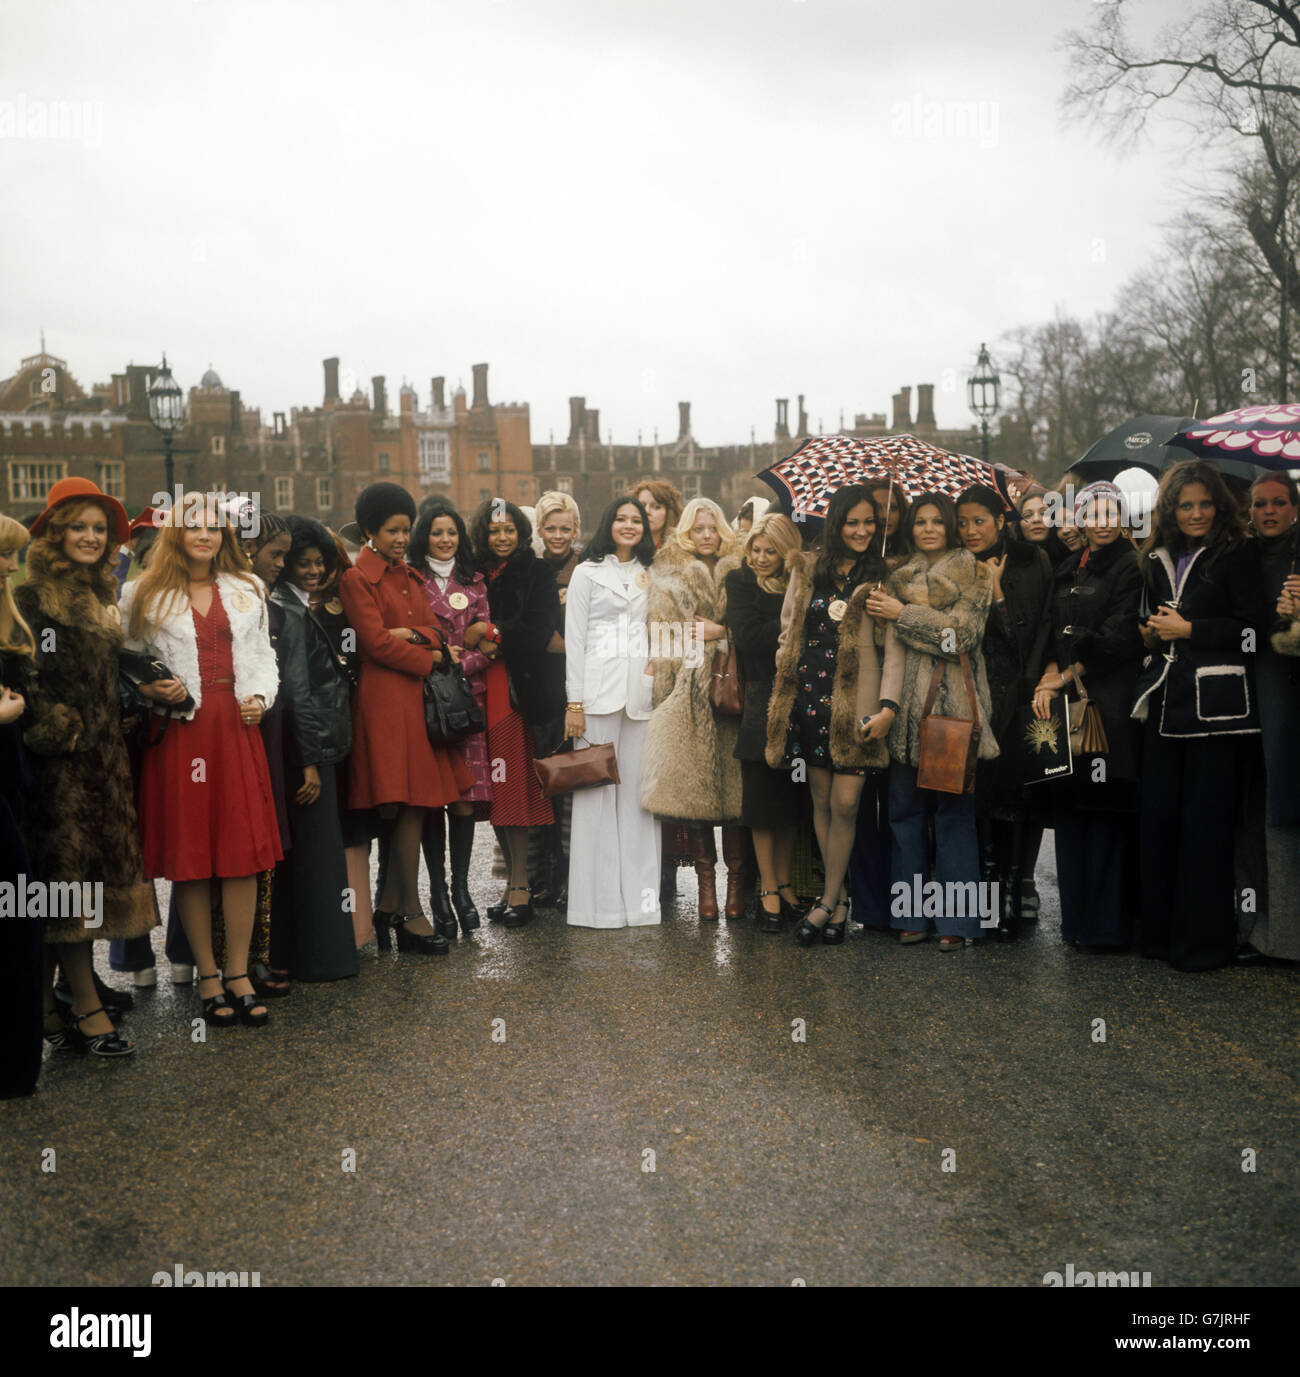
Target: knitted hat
(1087, 500)
(380, 501)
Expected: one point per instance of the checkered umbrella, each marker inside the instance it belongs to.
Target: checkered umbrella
(804, 482)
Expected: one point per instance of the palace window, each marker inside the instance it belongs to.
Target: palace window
(284, 493)
(31, 482)
(111, 477)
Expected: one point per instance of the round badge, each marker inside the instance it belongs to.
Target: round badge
(334, 607)
(459, 601)
(241, 602)
(643, 579)
(837, 609)
(564, 596)
(113, 613)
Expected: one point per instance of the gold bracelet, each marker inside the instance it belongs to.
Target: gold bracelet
(573, 707)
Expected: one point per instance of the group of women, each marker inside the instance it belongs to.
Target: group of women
(246, 719)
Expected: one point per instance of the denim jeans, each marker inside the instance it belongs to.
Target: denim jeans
(957, 857)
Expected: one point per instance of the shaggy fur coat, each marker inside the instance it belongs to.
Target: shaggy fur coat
(952, 595)
(855, 690)
(79, 819)
(688, 770)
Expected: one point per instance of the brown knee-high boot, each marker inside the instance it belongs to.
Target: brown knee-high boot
(705, 855)
(735, 852)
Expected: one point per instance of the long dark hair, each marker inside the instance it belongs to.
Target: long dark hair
(417, 551)
(306, 534)
(1224, 534)
(497, 509)
(981, 495)
(897, 544)
(868, 566)
(947, 514)
(602, 541)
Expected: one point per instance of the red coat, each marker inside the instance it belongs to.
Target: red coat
(392, 760)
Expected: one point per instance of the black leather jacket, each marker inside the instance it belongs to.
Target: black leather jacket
(313, 687)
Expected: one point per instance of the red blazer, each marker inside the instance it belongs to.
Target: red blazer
(392, 760)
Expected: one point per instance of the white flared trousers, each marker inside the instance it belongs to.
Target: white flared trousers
(614, 847)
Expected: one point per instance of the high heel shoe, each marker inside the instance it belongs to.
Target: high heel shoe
(768, 922)
(516, 915)
(809, 932)
(383, 928)
(496, 912)
(61, 1038)
(833, 932)
(790, 911)
(98, 1044)
(212, 1007)
(245, 1004)
(426, 943)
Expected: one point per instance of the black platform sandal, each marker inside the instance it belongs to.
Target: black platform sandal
(212, 1008)
(245, 1004)
(809, 932)
(769, 922)
(100, 1044)
(833, 932)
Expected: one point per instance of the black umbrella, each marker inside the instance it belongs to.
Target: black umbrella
(1151, 443)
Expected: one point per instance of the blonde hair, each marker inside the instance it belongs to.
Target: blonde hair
(551, 502)
(783, 536)
(15, 635)
(726, 536)
(164, 587)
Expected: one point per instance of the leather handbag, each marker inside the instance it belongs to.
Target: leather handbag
(144, 722)
(949, 745)
(726, 692)
(1087, 733)
(451, 712)
(585, 768)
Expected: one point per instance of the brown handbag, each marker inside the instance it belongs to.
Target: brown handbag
(726, 692)
(585, 768)
(949, 745)
(1087, 732)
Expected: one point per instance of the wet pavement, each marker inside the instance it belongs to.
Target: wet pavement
(561, 1106)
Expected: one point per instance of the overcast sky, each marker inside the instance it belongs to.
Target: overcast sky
(724, 201)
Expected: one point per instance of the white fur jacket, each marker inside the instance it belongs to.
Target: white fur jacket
(172, 639)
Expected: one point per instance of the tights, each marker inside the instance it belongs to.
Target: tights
(835, 820)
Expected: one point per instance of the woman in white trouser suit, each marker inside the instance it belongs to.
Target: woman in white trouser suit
(614, 852)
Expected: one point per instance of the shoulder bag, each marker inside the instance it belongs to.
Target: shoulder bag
(949, 745)
(451, 712)
(587, 767)
(1087, 734)
(726, 692)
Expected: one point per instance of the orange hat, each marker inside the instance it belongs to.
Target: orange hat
(82, 489)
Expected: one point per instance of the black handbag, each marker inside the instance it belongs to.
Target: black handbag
(141, 715)
(451, 712)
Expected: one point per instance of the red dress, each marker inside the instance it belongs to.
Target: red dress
(392, 759)
(206, 806)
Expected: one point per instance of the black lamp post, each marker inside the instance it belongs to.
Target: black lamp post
(167, 412)
(984, 393)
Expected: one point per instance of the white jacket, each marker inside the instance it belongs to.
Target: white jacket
(173, 641)
(605, 640)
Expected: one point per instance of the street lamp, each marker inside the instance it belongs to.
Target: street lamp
(167, 412)
(983, 393)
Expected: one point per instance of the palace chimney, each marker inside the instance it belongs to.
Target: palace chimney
(925, 406)
(683, 420)
(331, 381)
(438, 390)
(577, 418)
(480, 386)
(902, 409)
(381, 395)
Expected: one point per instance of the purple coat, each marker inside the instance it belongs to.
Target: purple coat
(473, 662)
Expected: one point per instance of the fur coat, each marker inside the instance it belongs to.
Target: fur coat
(947, 606)
(688, 769)
(855, 690)
(174, 641)
(79, 820)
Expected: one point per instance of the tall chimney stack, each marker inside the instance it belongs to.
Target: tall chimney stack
(902, 409)
(803, 419)
(577, 418)
(593, 425)
(783, 418)
(438, 391)
(683, 420)
(331, 381)
(480, 385)
(236, 414)
(925, 406)
(381, 395)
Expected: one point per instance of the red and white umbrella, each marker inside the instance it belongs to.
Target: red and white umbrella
(805, 481)
(1267, 435)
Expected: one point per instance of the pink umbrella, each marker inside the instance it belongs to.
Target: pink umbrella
(1268, 435)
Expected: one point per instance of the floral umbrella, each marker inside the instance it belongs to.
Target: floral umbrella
(805, 480)
(1266, 435)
